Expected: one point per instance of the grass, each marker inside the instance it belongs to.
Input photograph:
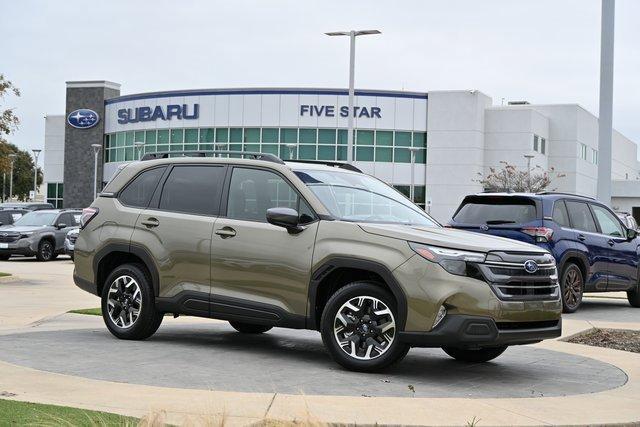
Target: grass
(89, 311)
(4, 274)
(13, 413)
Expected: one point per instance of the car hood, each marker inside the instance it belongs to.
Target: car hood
(450, 238)
(21, 229)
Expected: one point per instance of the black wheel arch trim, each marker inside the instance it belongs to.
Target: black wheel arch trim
(574, 254)
(334, 263)
(133, 249)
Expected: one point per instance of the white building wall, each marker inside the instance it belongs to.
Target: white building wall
(53, 149)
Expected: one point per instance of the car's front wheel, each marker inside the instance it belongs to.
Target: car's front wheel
(474, 356)
(572, 288)
(634, 297)
(128, 303)
(46, 251)
(249, 328)
(359, 327)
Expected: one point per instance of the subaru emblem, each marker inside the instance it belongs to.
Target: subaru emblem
(530, 266)
(83, 118)
(484, 227)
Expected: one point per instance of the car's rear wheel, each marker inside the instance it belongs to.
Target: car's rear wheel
(46, 251)
(634, 297)
(572, 288)
(249, 328)
(474, 356)
(359, 327)
(128, 303)
(4, 257)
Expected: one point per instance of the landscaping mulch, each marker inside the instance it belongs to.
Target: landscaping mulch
(611, 338)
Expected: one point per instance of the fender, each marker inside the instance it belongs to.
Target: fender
(334, 263)
(133, 249)
(573, 253)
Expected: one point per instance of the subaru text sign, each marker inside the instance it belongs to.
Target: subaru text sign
(149, 114)
(333, 111)
(83, 118)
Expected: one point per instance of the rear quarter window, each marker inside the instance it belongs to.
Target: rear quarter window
(496, 210)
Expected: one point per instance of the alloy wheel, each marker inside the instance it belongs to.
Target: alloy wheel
(46, 251)
(124, 301)
(364, 328)
(573, 288)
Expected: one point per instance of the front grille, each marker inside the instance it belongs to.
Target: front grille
(512, 326)
(510, 281)
(9, 237)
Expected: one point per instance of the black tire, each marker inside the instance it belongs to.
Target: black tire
(391, 353)
(634, 297)
(249, 328)
(5, 257)
(148, 320)
(571, 287)
(46, 251)
(474, 356)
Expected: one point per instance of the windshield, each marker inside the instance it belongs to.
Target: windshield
(35, 219)
(362, 198)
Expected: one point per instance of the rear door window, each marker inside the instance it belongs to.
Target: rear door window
(581, 218)
(193, 189)
(560, 214)
(496, 211)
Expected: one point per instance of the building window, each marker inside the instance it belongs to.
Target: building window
(582, 151)
(539, 144)
(55, 192)
(419, 195)
(594, 156)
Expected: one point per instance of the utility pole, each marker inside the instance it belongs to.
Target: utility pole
(12, 158)
(36, 153)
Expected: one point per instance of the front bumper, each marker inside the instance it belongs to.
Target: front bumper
(465, 331)
(68, 247)
(19, 247)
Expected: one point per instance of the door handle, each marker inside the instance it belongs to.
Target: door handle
(225, 232)
(150, 222)
(581, 237)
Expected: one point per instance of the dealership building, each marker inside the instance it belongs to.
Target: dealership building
(453, 137)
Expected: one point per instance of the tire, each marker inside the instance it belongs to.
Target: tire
(5, 257)
(249, 328)
(634, 297)
(46, 251)
(121, 287)
(474, 356)
(363, 327)
(571, 288)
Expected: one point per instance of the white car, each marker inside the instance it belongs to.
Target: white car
(70, 241)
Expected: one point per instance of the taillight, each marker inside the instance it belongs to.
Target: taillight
(540, 234)
(87, 215)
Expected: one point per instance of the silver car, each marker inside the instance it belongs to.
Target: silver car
(70, 241)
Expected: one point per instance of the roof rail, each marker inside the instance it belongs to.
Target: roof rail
(544, 193)
(340, 165)
(257, 156)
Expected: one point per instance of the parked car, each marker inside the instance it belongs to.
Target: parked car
(628, 220)
(9, 216)
(70, 241)
(29, 206)
(263, 243)
(594, 250)
(38, 233)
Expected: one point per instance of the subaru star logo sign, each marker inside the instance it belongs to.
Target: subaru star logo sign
(530, 266)
(83, 118)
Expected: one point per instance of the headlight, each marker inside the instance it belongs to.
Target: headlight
(453, 260)
(25, 234)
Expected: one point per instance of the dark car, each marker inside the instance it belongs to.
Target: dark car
(594, 250)
(29, 206)
(9, 216)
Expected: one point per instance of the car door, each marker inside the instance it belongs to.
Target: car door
(623, 252)
(260, 271)
(591, 242)
(176, 231)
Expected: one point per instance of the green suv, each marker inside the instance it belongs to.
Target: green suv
(262, 243)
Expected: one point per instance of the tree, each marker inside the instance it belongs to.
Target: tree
(509, 178)
(8, 120)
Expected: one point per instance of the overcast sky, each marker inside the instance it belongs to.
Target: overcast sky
(543, 51)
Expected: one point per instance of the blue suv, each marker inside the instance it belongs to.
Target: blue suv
(594, 251)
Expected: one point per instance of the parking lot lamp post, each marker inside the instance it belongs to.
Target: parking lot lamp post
(36, 153)
(412, 191)
(291, 147)
(139, 146)
(352, 59)
(12, 158)
(96, 151)
(529, 157)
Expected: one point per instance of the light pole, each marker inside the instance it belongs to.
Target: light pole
(36, 153)
(12, 158)
(96, 150)
(412, 191)
(352, 58)
(529, 157)
(139, 146)
(291, 147)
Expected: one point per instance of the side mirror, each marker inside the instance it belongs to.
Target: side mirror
(61, 226)
(285, 217)
(631, 233)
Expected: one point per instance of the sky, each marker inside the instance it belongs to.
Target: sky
(542, 51)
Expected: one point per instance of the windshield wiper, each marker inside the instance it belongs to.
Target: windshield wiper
(499, 221)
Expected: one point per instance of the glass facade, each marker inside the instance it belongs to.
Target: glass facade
(54, 194)
(287, 143)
